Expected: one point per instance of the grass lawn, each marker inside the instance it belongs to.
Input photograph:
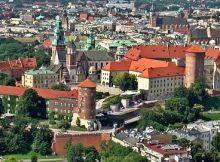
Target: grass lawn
(30, 154)
(211, 116)
(212, 103)
(75, 128)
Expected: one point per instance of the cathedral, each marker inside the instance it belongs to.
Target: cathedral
(65, 59)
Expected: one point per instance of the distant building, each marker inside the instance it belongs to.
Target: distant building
(200, 130)
(121, 4)
(16, 68)
(167, 22)
(156, 147)
(41, 78)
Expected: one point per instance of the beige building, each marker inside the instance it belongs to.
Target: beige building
(41, 78)
(156, 79)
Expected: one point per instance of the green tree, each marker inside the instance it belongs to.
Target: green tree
(125, 81)
(42, 58)
(31, 105)
(63, 124)
(216, 142)
(43, 140)
(60, 87)
(91, 154)
(34, 159)
(78, 122)
(134, 157)
(75, 153)
(181, 92)
(177, 104)
(184, 143)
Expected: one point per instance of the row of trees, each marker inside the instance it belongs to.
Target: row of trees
(6, 80)
(21, 135)
(185, 106)
(13, 49)
(110, 152)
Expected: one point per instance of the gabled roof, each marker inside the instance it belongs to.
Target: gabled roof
(195, 49)
(122, 65)
(87, 84)
(156, 52)
(45, 93)
(163, 72)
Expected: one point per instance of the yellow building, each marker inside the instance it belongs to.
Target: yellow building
(41, 78)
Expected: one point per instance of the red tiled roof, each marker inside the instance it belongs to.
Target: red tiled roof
(83, 16)
(212, 53)
(182, 30)
(195, 49)
(143, 64)
(163, 72)
(47, 43)
(28, 62)
(4, 65)
(122, 65)
(156, 52)
(87, 84)
(157, 148)
(45, 93)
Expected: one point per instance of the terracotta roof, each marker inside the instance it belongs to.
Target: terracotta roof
(87, 84)
(122, 65)
(156, 52)
(143, 64)
(28, 62)
(195, 49)
(83, 16)
(159, 72)
(157, 148)
(4, 65)
(45, 93)
(47, 43)
(182, 30)
(212, 53)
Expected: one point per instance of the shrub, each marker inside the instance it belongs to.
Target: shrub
(63, 124)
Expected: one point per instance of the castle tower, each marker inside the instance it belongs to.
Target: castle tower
(194, 69)
(86, 104)
(58, 44)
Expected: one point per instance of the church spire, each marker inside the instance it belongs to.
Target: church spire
(58, 37)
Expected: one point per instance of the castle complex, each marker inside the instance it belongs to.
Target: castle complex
(160, 69)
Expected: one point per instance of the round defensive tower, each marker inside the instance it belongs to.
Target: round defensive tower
(87, 103)
(194, 69)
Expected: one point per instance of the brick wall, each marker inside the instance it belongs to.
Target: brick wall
(87, 139)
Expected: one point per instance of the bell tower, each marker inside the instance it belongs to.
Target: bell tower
(58, 43)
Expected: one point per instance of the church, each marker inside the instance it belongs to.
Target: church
(72, 65)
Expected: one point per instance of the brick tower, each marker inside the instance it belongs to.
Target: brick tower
(194, 64)
(86, 104)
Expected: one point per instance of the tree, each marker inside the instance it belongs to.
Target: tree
(181, 92)
(31, 105)
(216, 142)
(91, 154)
(177, 104)
(34, 159)
(42, 58)
(60, 87)
(42, 141)
(75, 153)
(78, 123)
(64, 124)
(125, 81)
(6, 80)
(184, 143)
